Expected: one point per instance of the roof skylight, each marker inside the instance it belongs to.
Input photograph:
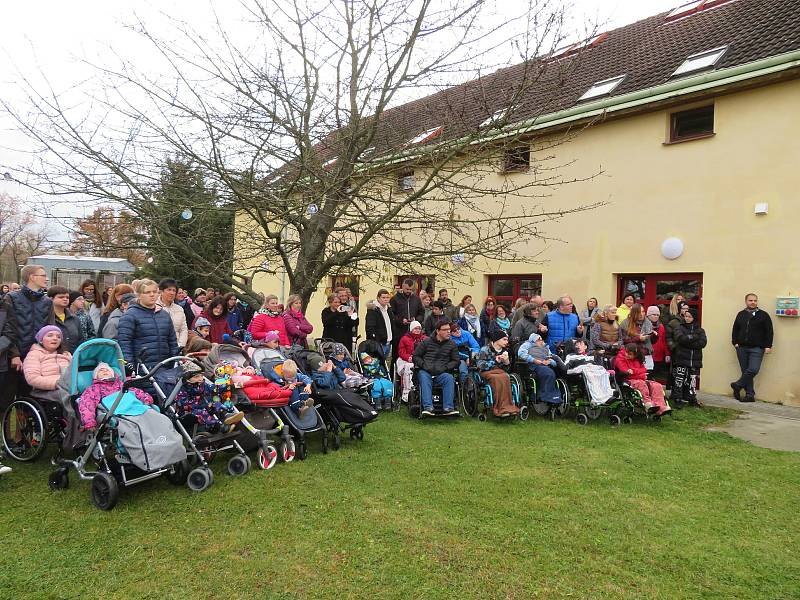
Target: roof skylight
(693, 7)
(700, 61)
(426, 136)
(602, 88)
(497, 116)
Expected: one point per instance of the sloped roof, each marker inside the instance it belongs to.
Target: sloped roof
(647, 52)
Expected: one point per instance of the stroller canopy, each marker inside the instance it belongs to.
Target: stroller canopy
(87, 356)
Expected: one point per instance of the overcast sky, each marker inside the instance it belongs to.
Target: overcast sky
(54, 36)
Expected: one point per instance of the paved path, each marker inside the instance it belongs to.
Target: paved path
(761, 423)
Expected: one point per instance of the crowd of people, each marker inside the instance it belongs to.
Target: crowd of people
(41, 326)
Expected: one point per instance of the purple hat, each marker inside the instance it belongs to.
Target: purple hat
(272, 336)
(45, 330)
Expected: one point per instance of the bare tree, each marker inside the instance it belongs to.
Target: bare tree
(20, 236)
(317, 138)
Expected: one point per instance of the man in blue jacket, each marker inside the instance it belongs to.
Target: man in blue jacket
(561, 324)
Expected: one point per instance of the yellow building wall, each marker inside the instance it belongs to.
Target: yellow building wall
(702, 192)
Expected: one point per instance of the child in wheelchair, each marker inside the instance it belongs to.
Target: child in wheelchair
(629, 363)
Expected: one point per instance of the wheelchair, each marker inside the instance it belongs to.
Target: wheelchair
(29, 425)
(529, 390)
(477, 397)
(415, 402)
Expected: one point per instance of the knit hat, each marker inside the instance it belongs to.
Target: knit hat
(101, 365)
(272, 336)
(681, 305)
(339, 349)
(693, 312)
(314, 361)
(534, 337)
(414, 324)
(497, 334)
(190, 369)
(653, 310)
(73, 295)
(45, 330)
(127, 298)
(202, 322)
(364, 355)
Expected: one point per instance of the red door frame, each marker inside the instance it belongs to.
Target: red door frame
(508, 301)
(650, 282)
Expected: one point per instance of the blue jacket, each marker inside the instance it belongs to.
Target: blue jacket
(560, 327)
(144, 328)
(464, 341)
(235, 320)
(32, 313)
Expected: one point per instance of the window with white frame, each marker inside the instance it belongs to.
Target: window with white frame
(602, 88)
(700, 61)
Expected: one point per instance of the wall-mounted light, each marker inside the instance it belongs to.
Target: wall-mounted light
(671, 248)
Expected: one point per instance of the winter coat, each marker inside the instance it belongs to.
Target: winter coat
(31, 313)
(429, 324)
(179, 321)
(645, 328)
(407, 344)
(263, 323)
(408, 308)
(486, 321)
(560, 327)
(337, 326)
(690, 340)
(604, 336)
(42, 369)
(261, 389)
(466, 343)
(752, 329)
(8, 335)
(376, 325)
(111, 327)
(436, 357)
(523, 329)
(94, 394)
(234, 318)
(219, 327)
(623, 364)
(71, 330)
(451, 311)
(672, 327)
(146, 329)
(660, 348)
(87, 325)
(487, 358)
(297, 328)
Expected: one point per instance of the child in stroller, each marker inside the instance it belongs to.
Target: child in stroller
(300, 385)
(382, 390)
(343, 368)
(105, 382)
(196, 398)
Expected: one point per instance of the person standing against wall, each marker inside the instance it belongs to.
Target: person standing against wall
(752, 338)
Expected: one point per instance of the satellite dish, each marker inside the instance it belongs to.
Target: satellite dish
(187, 214)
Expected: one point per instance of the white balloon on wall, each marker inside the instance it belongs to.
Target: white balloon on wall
(671, 248)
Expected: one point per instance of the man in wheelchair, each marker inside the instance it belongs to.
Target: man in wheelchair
(435, 358)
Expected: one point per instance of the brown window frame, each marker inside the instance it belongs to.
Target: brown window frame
(402, 175)
(673, 117)
(510, 156)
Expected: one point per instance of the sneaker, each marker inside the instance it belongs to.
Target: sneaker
(748, 399)
(4, 469)
(426, 413)
(234, 418)
(737, 391)
(452, 413)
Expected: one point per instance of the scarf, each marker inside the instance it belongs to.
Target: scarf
(37, 295)
(271, 313)
(504, 324)
(474, 323)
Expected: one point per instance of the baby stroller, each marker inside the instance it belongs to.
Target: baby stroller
(375, 350)
(129, 445)
(299, 427)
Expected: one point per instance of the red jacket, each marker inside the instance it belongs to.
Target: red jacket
(219, 327)
(297, 327)
(660, 348)
(623, 364)
(263, 323)
(263, 392)
(407, 344)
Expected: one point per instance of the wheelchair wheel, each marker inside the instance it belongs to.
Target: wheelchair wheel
(614, 420)
(581, 419)
(563, 389)
(593, 412)
(469, 398)
(524, 413)
(24, 430)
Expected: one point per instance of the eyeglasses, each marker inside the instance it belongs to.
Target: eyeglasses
(39, 275)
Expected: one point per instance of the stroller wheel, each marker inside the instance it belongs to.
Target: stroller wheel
(200, 479)
(178, 473)
(267, 457)
(581, 419)
(302, 450)
(337, 441)
(238, 465)
(59, 479)
(287, 450)
(615, 420)
(524, 413)
(105, 491)
(325, 444)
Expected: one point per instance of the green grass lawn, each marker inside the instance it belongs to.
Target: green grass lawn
(433, 510)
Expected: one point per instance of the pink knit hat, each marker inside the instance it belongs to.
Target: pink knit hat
(272, 336)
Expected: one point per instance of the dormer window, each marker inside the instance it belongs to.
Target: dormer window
(425, 136)
(602, 88)
(700, 61)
